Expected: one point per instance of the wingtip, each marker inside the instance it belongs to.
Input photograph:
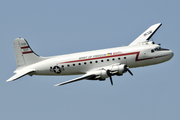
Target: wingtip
(9, 80)
(56, 85)
(158, 24)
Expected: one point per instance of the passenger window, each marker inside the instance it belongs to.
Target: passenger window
(152, 50)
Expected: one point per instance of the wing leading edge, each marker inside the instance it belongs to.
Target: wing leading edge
(146, 35)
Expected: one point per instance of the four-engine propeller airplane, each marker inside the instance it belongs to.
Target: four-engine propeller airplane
(95, 65)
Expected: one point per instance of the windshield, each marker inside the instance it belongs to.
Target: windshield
(158, 49)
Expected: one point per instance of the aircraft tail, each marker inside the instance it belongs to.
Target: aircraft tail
(24, 57)
(24, 54)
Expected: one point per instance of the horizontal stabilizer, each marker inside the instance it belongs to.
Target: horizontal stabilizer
(76, 79)
(20, 73)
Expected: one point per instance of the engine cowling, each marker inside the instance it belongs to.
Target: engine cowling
(119, 69)
(110, 71)
(102, 75)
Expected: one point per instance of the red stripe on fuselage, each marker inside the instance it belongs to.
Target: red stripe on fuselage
(136, 53)
(143, 58)
(125, 54)
(161, 56)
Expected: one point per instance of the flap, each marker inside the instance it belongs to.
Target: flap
(86, 76)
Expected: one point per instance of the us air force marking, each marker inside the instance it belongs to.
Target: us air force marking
(57, 69)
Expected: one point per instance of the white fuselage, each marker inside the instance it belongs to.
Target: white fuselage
(94, 65)
(81, 63)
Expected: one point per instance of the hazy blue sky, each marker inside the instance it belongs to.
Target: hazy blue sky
(59, 27)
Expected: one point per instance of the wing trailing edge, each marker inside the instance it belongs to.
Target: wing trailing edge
(146, 35)
(86, 76)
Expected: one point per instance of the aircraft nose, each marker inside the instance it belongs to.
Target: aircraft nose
(171, 54)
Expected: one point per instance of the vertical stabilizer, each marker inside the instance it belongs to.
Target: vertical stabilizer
(24, 54)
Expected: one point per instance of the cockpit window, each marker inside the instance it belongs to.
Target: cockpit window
(157, 49)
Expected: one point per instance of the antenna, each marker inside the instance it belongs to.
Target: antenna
(152, 41)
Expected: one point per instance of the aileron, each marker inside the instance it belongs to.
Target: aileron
(146, 35)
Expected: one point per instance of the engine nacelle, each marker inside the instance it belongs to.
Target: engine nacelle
(119, 69)
(109, 71)
(100, 75)
(103, 75)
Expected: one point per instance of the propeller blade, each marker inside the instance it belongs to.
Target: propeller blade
(129, 71)
(126, 69)
(109, 74)
(111, 80)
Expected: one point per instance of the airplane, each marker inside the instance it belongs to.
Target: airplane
(94, 65)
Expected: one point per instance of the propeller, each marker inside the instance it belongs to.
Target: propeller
(130, 72)
(109, 74)
(126, 69)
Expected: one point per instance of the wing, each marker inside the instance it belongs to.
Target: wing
(145, 36)
(101, 73)
(20, 73)
(86, 76)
